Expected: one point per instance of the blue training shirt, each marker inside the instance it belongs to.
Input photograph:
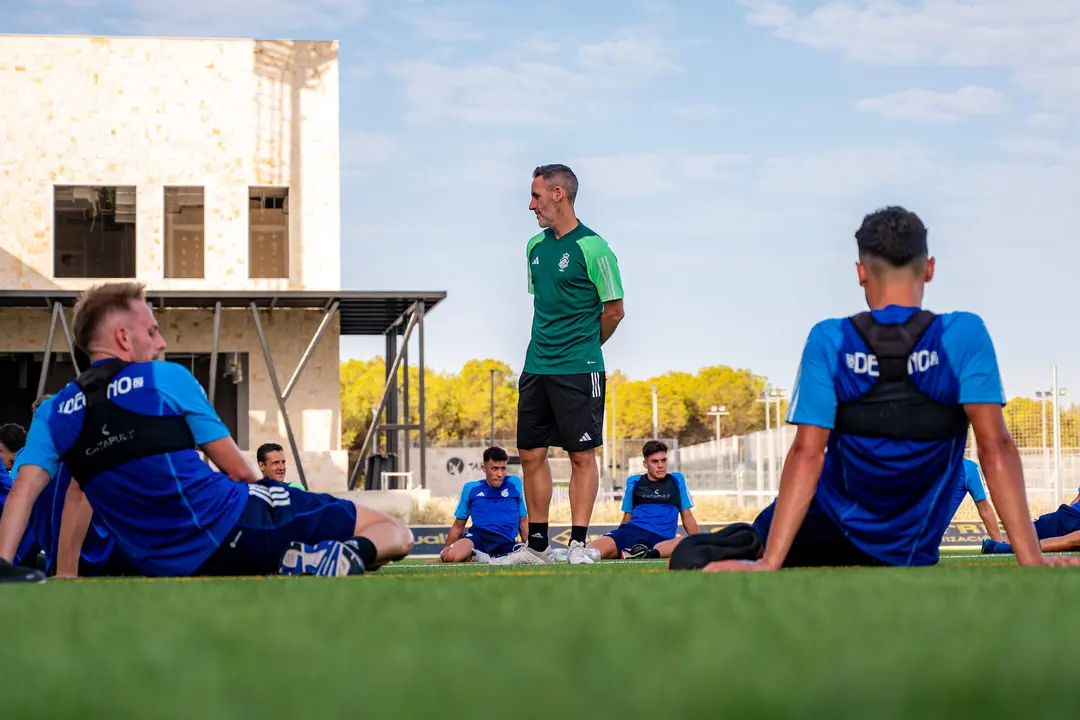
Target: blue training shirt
(45, 518)
(658, 515)
(496, 510)
(167, 513)
(893, 498)
(28, 545)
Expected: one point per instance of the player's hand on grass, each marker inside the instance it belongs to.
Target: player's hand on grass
(738, 566)
(1060, 561)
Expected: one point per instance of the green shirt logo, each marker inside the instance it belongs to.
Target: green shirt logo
(570, 279)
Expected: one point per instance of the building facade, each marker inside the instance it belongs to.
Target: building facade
(190, 165)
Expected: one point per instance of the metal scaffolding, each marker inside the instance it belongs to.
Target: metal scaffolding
(394, 315)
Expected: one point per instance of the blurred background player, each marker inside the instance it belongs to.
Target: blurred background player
(12, 440)
(652, 505)
(889, 394)
(128, 429)
(1058, 531)
(271, 459)
(577, 304)
(973, 486)
(496, 505)
(98, 555)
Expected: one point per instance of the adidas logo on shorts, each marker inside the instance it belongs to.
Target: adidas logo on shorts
(585, 438)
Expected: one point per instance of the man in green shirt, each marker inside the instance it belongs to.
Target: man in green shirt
(271, 459)
(577, 304)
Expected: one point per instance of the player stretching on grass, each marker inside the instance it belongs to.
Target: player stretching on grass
(577, 304)
(1058, 531)
(889, 393)
(496, 505)
(973, 486)
(128, 427)
(652, 505)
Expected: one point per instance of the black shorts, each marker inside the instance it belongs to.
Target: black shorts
(564, 411)
(819, 542)
(276, 515)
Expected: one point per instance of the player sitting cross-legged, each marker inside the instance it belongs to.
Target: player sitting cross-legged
(496, 505)
(652, 505)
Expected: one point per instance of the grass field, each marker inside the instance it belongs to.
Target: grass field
(974, 637)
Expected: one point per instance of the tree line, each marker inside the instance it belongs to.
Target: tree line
(459, 404)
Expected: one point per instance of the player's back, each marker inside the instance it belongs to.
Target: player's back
(894, 458)
(133, 450)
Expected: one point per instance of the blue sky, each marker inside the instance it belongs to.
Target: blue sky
(726, 150)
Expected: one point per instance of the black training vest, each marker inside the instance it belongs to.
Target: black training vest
(894, 407)
(112, 435)
(661, 492)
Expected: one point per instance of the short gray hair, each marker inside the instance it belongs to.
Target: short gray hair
(560, 175)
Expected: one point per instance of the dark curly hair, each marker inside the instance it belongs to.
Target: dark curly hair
(893, 235)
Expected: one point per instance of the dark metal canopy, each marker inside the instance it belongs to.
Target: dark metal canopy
(361, 312)
(391, 314)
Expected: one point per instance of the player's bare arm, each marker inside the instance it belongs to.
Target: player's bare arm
(523, 529)
(1065, 543)
(689, 522)
(1000, 461)
(610, 318)
(74, 523)
(456, 531)
(798, 482)
(28, 485)
(989, 518)
(227, 457)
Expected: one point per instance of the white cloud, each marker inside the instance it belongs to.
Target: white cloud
(533, 87)
(1037, 40)
(442, 25)
(1047, 121)
(847, 173)
(644, 175)
(918, 104)
(363, 151)
(261, 19)
(698, 112)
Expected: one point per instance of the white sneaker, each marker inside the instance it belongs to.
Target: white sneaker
(577, 554)
(524, 555)
(481, 557)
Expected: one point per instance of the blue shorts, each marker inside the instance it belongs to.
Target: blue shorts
(489, 543)
(819, 542)
(274, 516)
(628, 535)
(1061, 522)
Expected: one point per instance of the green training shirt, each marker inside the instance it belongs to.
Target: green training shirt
(570, 279)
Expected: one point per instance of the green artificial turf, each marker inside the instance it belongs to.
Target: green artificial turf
(973, 637)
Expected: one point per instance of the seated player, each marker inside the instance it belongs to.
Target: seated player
(496, 505)
(128, 429)
(271, 459)
(889, 394)
(652, 505)
(973, 486)
(98, 556)
(12, 440)
(1058, 531)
